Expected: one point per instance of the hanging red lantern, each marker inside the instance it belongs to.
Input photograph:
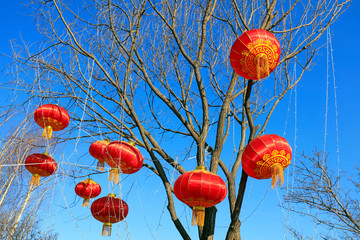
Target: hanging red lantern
(108, 210)
(200, 189)
(40, 165)
(51, 117)
(266, 157)
(122, 157)
(255, 54)
(87, 189)
(97, 150)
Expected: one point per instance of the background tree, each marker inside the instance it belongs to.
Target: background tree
(20, 206)
(325, 197)
(159, 72)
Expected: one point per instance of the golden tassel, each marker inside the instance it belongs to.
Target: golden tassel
(47, 133)
(199, 215)
(106, 230)
(35, 179)
(86, 202)
(277, 174)
(100, 166)
(262, 66)
(114, 175)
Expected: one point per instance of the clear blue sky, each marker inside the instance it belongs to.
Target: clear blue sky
(146, 199)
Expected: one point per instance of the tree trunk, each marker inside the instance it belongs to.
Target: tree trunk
(207, 232)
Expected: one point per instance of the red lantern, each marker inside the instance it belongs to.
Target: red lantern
(266, 157)
(124, 157)
(51, 117)
(200, 189)
(255, 54)
(97, 150)
(87, 189)
(40, 165)
(109, 210)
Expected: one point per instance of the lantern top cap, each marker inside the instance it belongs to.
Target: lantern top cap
(111, 195)
(132, 143)
(201, 168)
(46, 154)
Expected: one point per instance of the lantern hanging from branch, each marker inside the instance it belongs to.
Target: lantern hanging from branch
(266, 157)
(51, 117)
(200, 189)
(97, 150)
(122, 157)
(40, 165)
(255, 54)
(108, 210)
(87, 189)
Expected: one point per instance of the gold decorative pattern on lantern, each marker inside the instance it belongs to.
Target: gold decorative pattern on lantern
(39, 171)
(259, 47)
(269, 160)
(197, 201)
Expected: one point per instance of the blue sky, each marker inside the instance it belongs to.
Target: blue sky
(146, 199)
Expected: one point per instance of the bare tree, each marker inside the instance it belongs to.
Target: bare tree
(151, 71)
(20, 204)
(324, 196)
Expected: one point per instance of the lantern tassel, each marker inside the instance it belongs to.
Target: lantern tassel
(262, 66)
(47, 133)
(198, 216)
(100, 166)
(35, 179)
(277, 174)
(114, 175)
(86, 202)
(106, 230)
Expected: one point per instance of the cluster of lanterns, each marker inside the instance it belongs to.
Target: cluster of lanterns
(254, 55)
(122, 157)
(51, 118)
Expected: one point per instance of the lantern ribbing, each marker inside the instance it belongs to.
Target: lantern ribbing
(51, 117)
(200, 189)
(266, 157)
(255, 54)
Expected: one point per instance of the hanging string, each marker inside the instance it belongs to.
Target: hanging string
(295, 127)
(327, 93)
(335, 101)
(62, 191)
